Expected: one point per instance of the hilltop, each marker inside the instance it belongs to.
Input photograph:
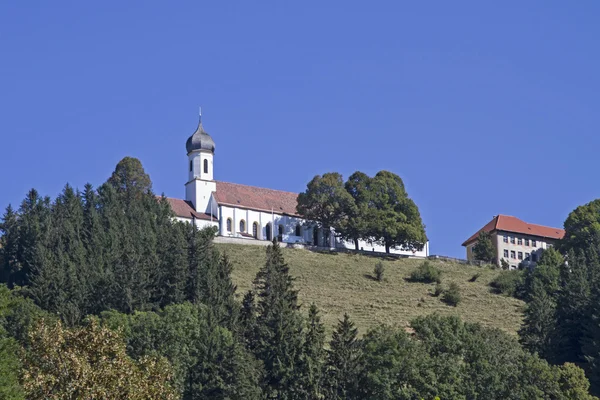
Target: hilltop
(342, 282)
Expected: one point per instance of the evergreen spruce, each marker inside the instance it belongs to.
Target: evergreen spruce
(313, 358)
(537, 331)
(279, 341)
(9, 246)
(344, 362)
(571, 312)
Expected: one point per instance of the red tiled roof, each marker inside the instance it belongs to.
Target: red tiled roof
(508, 223)
(185, 209)
(255, 198)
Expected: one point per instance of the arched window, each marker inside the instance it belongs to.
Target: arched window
(228, 224)
(205, 166)
(268, 231)
(191, 165)
(298, 230)
(255, 230)
(242, 226)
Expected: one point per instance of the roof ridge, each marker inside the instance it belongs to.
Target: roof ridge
(257, 187)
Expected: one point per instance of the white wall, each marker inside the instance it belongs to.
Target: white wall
(237, 214)
(289, 230)
(199, 192)
(200, 223)
(377, 248)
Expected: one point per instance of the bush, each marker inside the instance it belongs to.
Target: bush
(379, 269)
(438, 290)
(508, 283)
(452, 295)
(474, 277)
(426, 273)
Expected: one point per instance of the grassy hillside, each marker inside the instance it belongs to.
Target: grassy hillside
(339, 283)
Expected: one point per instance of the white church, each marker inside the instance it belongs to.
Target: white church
(249, 212)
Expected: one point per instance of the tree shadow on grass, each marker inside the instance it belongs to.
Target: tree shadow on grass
(371, 277)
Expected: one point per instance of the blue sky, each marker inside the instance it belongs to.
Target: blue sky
(481, 107)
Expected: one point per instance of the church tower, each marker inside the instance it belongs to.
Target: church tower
(200, 150)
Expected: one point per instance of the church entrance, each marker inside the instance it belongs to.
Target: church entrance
(268, 231)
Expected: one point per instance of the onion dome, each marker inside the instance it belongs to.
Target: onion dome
(200, 140)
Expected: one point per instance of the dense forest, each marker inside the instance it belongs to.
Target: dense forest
(105, 296)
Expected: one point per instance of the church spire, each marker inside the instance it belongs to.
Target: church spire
(200, 140)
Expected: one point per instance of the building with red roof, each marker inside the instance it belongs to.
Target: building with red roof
(516, 241)
(249, 212)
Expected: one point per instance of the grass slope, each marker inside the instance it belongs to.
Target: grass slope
(338, 283)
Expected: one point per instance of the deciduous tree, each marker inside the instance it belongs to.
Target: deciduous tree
(396, 220)
(90, 362)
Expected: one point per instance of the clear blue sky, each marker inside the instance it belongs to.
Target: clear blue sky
(481, 107)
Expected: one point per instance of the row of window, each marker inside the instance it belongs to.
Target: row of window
(519, 241)
(519, 255)
(255, 228)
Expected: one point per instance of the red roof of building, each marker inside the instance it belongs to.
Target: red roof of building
(185, 209)
(255, 198)
(507, 223)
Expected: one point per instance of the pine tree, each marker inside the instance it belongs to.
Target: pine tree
(94, 242)
(571, 312)
(219, 291)
(60, 280)
(537, 331)
(279, 341)
(34, 221)
(9, 246)
(343, 362)
(247, 328)
(311, 367)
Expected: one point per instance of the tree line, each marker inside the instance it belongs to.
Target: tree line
(562, 316)
(372, 209)
(105, 295)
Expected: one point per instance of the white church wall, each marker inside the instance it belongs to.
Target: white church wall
(200, 223)
(237, 214)
(366, 246)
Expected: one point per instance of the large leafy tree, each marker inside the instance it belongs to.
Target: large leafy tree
(9, 350)
(484, 248)
(326, 202)
(396, 220)
(90, 362)
(358, 225)
(582, 228)
(207, 359)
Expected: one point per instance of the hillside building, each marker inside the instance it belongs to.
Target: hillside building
(248, 212)
(518, 242)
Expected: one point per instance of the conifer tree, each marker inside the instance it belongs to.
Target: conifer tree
(344, 362)
(60, 280)
(219, 291)
(536, 334)
(34, 221)
(94, 242)
(9, 246)
(313, 357)
(279, 341)
(590, 342)
(571, 312)
(247, 322)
